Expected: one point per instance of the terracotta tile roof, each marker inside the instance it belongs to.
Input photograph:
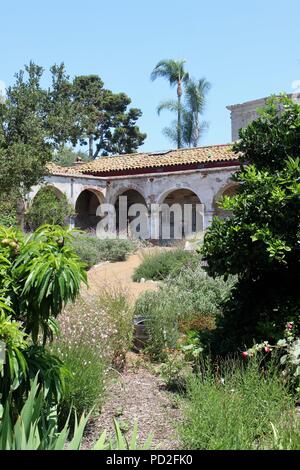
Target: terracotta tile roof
(61, 170)
(144, 161)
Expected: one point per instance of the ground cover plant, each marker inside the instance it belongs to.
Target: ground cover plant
(239, 407)
(93, 250)
(160, 265)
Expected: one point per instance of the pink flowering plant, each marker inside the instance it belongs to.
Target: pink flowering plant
(289, 349)
(94, 335)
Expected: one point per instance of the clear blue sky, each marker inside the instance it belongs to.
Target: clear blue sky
(247, 50)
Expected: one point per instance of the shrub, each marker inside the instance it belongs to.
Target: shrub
(260, 241)
(161, 321)
(160, 265)
(46, 274)
(38, 275)
(119, 314)
(236, 408)
(94, 335)
(199, 297)
(48, 208)
(92, 250)
(79, 345)
(188, 301)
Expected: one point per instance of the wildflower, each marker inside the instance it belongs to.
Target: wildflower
(245, 354)
(289, 326)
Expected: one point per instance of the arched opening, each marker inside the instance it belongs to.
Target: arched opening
(181, 215)
(229, 191)
(86, 206)
(127, 220)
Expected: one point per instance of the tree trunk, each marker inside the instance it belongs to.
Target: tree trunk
(179, 130)
(91, 150)
(21, 207)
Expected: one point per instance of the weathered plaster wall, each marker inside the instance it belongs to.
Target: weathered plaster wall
(207, 184)
(72, 186)
(243, 114)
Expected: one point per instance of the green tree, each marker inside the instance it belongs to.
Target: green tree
(62, 119)
(104, 118)
(68, 156)
(36, 123)
(175, 73)
(260, 242)
(24, 147)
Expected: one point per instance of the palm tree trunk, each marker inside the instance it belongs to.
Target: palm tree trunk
(91, 146)
(179, 130)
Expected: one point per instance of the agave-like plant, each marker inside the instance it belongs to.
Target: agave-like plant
(37, 429)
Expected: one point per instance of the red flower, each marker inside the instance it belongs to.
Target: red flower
(245, 354)
(267, 349)
(289, 326)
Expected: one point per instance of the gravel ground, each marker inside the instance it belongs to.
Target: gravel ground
(139, 395)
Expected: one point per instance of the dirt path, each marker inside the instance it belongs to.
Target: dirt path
(136, 394)
(118, 275)
(139, 396)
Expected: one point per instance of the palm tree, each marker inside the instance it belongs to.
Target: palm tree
(174, 72)
(190, 111)
(195, 101)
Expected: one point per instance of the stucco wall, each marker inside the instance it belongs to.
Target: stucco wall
(207, 184)
(243, 114)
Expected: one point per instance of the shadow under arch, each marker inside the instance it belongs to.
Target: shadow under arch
(86, 207)
(133, 197)
(189, 221)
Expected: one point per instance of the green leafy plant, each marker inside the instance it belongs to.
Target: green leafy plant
(39, 274)
(47, 274)
(175, 370)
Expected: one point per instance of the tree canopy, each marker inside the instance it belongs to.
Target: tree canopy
(36, 123)
(104, 119)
